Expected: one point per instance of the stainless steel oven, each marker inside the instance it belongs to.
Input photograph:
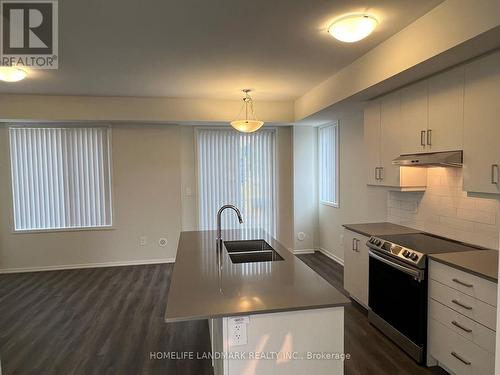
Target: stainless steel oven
(398, 286)
(398, 302)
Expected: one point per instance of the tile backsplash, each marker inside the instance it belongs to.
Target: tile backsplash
(446, 210)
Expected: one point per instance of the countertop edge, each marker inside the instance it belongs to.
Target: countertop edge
(347, 226)
(258, 312)
(465, 269)
(380, 228)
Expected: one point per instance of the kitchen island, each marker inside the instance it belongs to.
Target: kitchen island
(275, 316)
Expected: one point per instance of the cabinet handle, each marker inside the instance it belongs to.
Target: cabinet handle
(376, 173)
(461, 304)
(461, 359)
(380, 175)
(429, 137)
(353, 242)
(462, 283)
(356, 245)
(493, 179)
(422, 138)
(461, 327)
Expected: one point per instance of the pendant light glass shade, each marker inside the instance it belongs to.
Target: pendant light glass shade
(248, 125)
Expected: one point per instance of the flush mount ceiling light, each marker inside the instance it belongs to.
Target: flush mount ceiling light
(248, 125)
(12, 74)
(353, 27)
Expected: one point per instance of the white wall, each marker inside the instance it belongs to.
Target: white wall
(445, 209)
(132, 109)
(305, 209)
(358, 202)
(146, 195)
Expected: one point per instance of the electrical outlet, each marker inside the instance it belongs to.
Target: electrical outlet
(162, 242)
(239, 331)
(143, 241)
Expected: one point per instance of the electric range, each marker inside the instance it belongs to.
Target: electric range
(398, 286)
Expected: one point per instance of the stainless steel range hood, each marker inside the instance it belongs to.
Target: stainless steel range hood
(431, 159)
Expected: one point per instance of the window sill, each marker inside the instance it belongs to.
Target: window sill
(83, 229)
(335, 205)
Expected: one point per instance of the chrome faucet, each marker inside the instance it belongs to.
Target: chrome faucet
(219, 213)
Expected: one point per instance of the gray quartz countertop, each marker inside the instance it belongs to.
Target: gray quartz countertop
(379, 229)
(482, 263)
(200, 289)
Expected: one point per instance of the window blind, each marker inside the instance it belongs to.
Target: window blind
(60, 177)
(328, 164)
(237, 168)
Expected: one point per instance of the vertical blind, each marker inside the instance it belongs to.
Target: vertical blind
(60, 177)
(328, 163)
(237, 168)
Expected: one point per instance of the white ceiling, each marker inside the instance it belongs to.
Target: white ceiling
(206, 48)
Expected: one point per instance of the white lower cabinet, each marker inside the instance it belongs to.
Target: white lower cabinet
(457, 353)
(356, 266)
(461, 328)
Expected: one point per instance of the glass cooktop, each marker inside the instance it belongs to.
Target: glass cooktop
(427, 243)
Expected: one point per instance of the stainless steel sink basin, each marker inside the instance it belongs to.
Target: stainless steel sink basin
(251, 251)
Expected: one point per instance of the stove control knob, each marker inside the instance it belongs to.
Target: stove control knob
(406, 253)
(414, 257)
(378, 242)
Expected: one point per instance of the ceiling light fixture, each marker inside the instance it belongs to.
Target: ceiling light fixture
(353, 27)
(248, 125)
(12, 74)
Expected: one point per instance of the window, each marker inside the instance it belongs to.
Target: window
(237, 168)
(328, 161)
(60, 177)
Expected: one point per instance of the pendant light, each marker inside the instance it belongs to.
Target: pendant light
(248, 125)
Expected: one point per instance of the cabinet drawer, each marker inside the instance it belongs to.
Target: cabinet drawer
(467, 283)
(469, 306)
(457, 353)
(465, 327)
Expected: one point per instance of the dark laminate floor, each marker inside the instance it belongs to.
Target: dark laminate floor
(94, 321)
(108, 320)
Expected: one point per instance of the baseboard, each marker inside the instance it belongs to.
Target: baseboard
(302, 251)
(332, 256)
(87, 265)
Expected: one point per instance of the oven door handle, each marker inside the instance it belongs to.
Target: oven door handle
(410, 271)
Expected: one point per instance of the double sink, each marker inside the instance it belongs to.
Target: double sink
(251, 251)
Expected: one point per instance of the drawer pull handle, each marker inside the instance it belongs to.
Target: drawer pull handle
(461, 327)
(462, 283)
(459, 357)
(461, 304)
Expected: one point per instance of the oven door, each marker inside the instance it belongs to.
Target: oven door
(398, 297)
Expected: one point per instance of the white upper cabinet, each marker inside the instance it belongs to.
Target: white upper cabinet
(432, 113)
(414, 118)
(446, 111)
(383, 134)
(372, 141)
(390, 138)
(482, 125)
